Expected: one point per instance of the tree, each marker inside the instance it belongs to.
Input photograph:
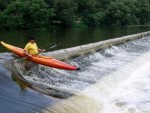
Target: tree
(32, 14)
(50, 3)
(95, 20)
(144, 12)
(131, 17)
(1, 20)
(4, 4)
(13, 15)
(86, 7)
(120, 14)
(36, 14)
(27, 14)
(65, 12)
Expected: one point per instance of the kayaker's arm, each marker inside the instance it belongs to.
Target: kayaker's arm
(41, 50)
(27, 54)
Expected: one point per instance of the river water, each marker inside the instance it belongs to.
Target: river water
(59, 38)
(115, 79)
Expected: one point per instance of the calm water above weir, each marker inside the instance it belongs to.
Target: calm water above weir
(60, 38)
(112, 80)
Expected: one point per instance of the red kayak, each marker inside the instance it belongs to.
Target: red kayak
(44, 60)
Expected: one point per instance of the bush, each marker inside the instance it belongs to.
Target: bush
(27, 14)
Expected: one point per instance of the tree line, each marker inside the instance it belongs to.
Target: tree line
(34, 14)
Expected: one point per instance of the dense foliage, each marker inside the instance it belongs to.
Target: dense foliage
(33, 14)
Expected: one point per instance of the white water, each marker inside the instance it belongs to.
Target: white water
(126, 90)
(114, 80)
(123, 91)
(132, 95)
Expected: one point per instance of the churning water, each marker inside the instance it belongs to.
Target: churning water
(111, 80)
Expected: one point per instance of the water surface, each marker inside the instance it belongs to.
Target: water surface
(59, 38)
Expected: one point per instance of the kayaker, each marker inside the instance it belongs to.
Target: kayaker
(31, 49)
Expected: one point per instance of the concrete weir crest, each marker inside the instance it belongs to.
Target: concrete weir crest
(83, 49)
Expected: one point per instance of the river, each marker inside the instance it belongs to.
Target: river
(115, 79)
(59, 38)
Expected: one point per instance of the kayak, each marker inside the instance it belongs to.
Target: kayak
(44, 60)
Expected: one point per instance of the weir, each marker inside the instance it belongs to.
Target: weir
(92, 47)
(88, 102)
(101, 96)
